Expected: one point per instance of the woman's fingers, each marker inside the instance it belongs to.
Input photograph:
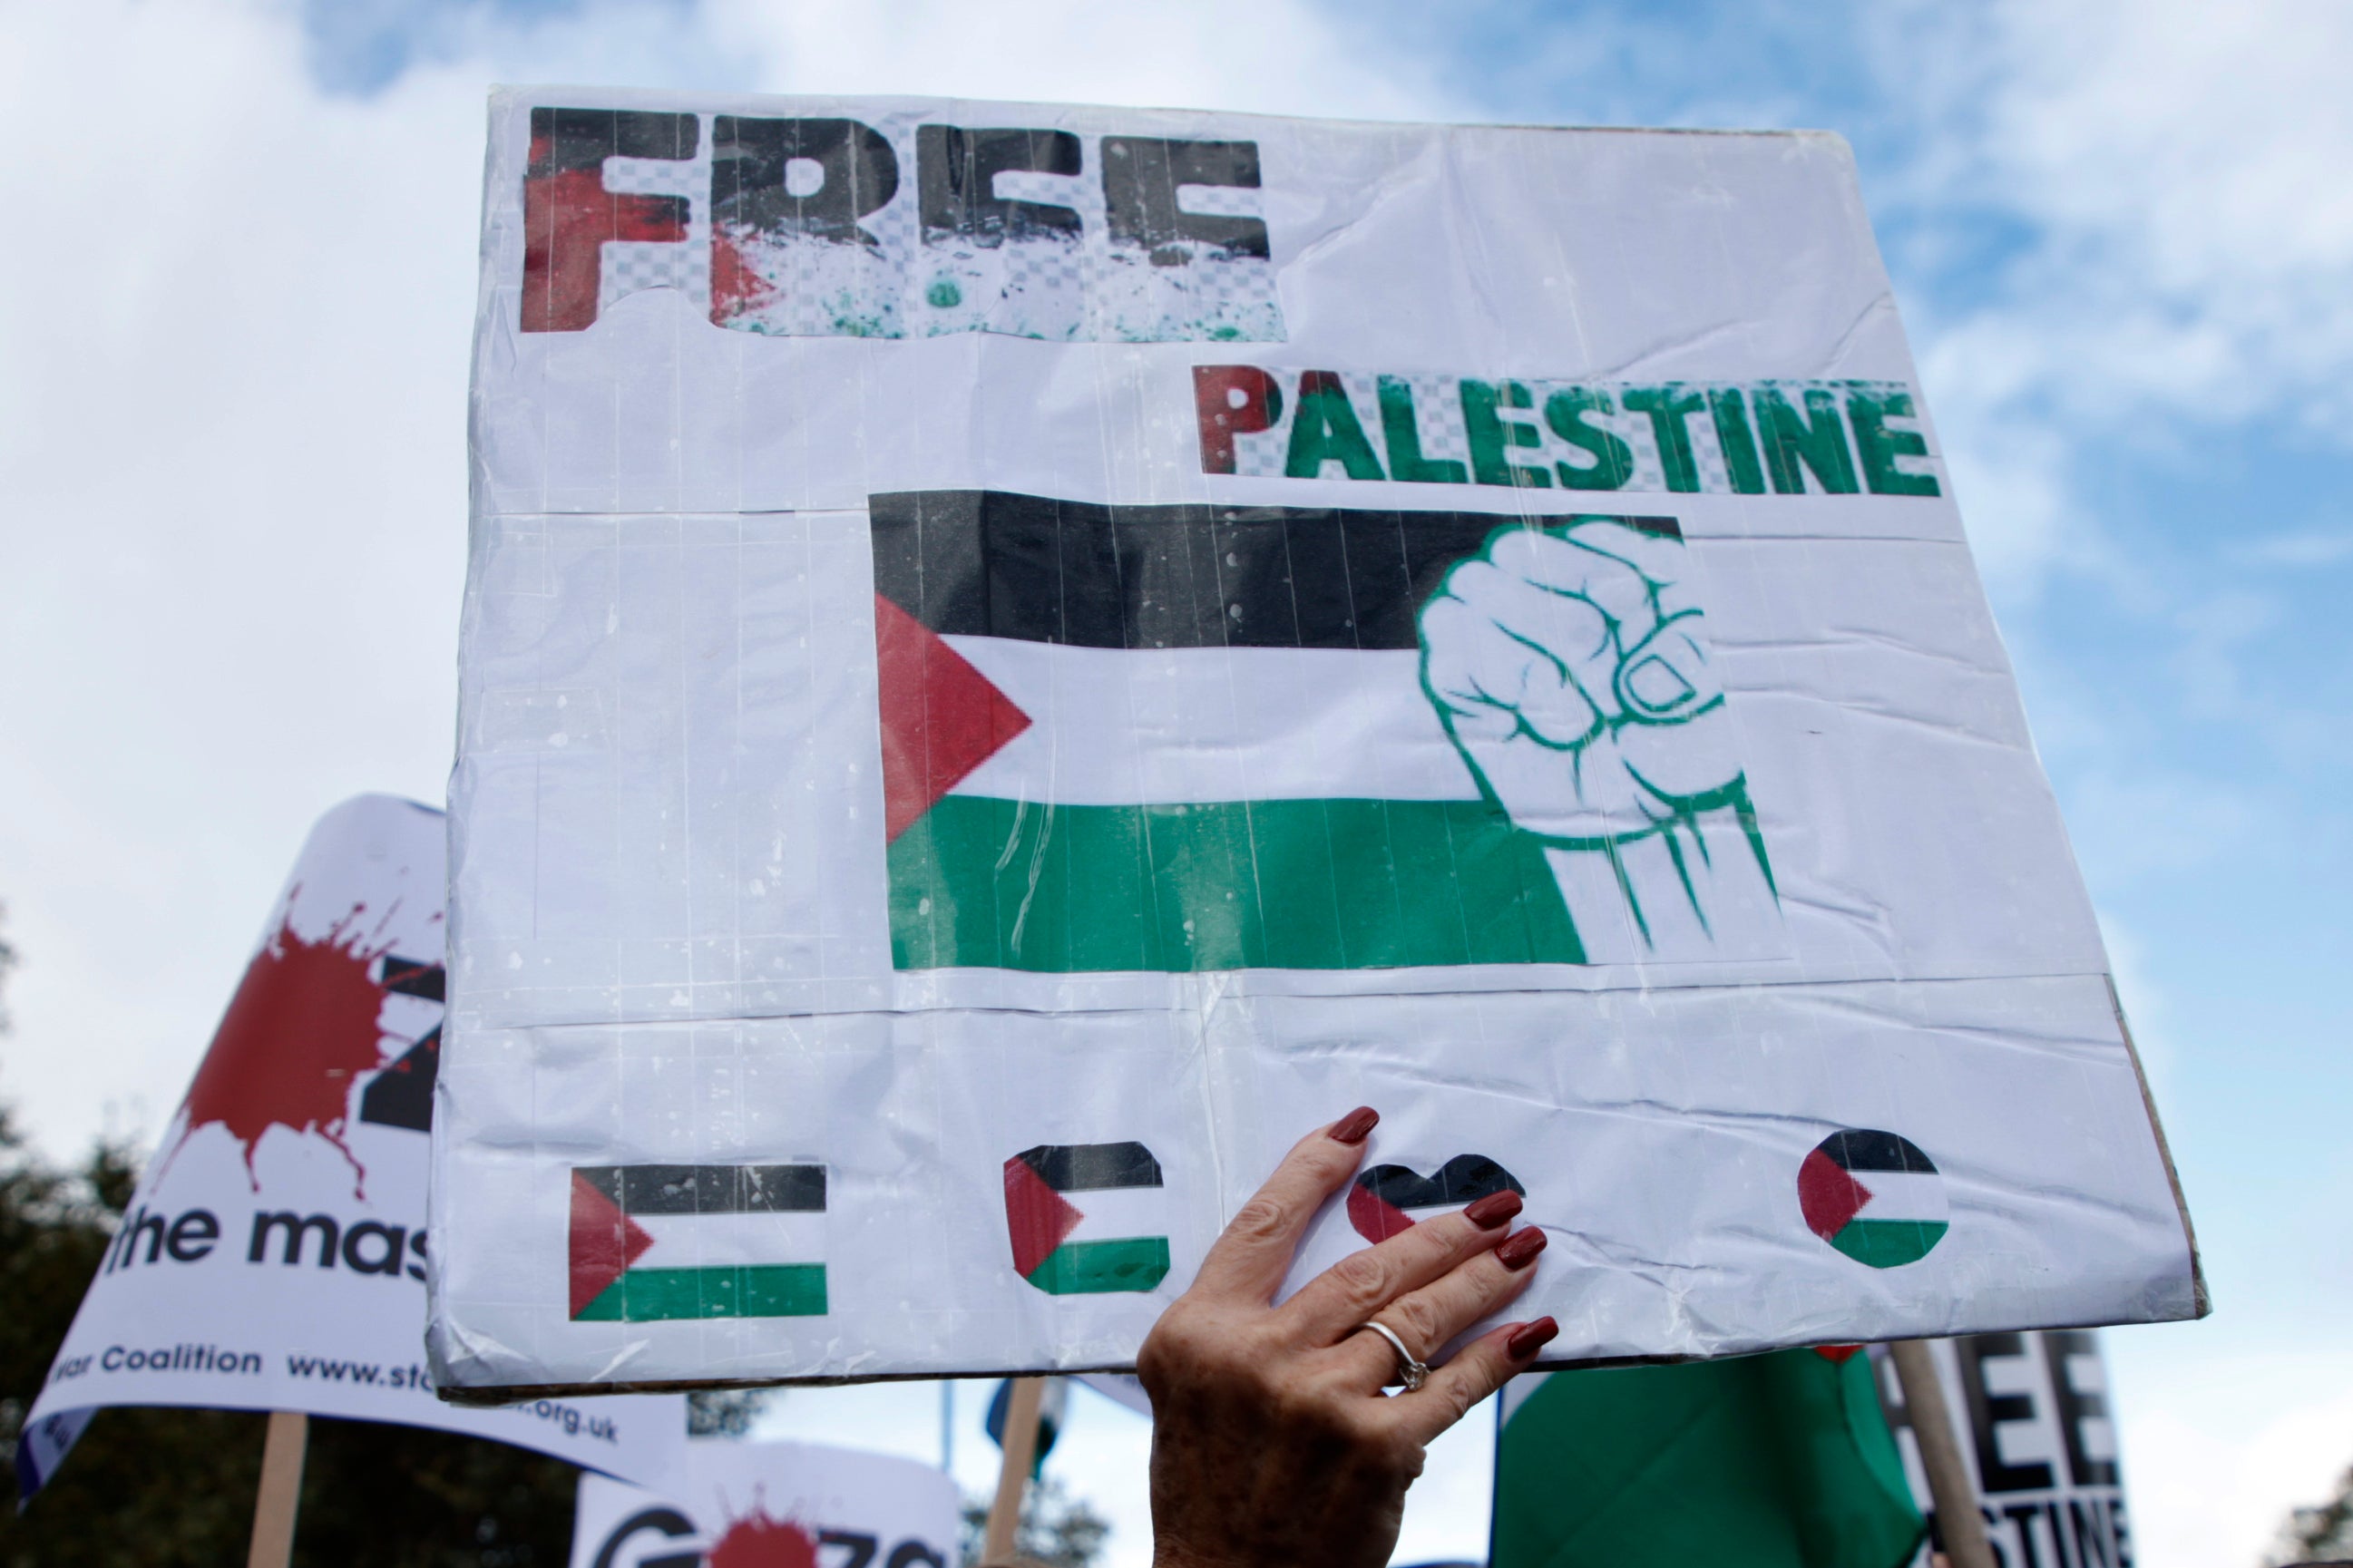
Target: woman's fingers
(1428, 1318)
(1477, 1369)
(1332, 1303)
(1248, 1261)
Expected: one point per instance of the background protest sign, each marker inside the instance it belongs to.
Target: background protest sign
(2039, 1440)
(743, 1505)
(273, 1257)
(949, 787)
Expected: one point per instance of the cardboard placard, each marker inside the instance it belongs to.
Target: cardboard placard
(1018, 657)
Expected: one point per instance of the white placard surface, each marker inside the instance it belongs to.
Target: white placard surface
(1018, 658)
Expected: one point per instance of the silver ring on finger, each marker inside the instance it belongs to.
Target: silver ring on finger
(1413, 1374)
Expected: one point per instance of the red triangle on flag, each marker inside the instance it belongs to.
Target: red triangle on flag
(1036, 1217)
(604, 1243)
(941, 717)
(1828, 1194)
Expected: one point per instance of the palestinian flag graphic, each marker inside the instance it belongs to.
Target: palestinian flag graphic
(1183, 738)
(1874, 1196)
(1387, 1199)
(656, 1242)
(1065, 1250)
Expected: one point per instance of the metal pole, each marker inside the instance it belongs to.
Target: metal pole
(281, 1489)
(947, 1425)
(1957, 1520)
(1020, 1446)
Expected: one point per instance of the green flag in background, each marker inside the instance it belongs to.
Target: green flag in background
(1770, 1461)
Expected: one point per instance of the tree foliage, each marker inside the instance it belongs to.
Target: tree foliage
(1057, 1530)
(2322, 1533)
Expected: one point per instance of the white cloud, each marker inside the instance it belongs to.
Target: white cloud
(2320, 547)
(2176, 171)
(2218, 1446)
(232, 434)
(1279, 57)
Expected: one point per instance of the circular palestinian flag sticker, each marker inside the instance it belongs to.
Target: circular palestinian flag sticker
(1874, 1196)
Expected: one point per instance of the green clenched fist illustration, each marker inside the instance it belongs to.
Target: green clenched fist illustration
(1568, 664)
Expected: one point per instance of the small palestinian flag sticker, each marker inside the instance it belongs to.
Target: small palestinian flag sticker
(652, 1243)
(1108, 1246)
(1387, 1199)
(1874, 1196)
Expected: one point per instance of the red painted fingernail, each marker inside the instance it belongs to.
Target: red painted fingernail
(1530, 1338)
(1520, 1248)
(1494, 1209)
(1353, 1127)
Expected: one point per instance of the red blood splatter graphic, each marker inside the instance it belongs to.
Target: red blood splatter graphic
(758, 1541)
(302, 1026)
(1837, 1355)
(567, 215)
(736, 287)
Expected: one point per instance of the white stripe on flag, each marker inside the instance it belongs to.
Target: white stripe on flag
(1116, 1213)
(1903, 1195)
(1169, 726)
(715, 1240)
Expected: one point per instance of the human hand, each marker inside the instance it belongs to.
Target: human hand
(1568, 665)
(1271, 1444)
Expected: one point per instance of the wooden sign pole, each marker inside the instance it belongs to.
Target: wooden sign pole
(281, 1489)
(1013, 1480)
(1957, 1520)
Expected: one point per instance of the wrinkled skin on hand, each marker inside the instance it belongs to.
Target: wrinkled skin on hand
(1272, 1445)
(1568, 665)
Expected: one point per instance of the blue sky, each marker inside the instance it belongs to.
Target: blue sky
(2119, 234)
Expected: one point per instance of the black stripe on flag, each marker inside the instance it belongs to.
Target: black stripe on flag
(991, 564)
(1093, 1167)
(709, 1189)
(1462, 1179)
(1860, 1148)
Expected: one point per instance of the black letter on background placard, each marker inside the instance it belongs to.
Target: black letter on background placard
(956, 181)
(861, 1547)
(401, 1095)
(192, 1235)
(297, 1227)
(748, 159)
(1140, 177)
(394, 1240)
(1987, 1409)
(152, 1227)
(667, 1521)
(910, 1551)
(2075, 1407)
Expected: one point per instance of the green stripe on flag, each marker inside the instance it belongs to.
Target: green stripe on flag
(977, 882)
(1889, 1243)
(656, 1295)
(1087, 1268)
(1770, 1461)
